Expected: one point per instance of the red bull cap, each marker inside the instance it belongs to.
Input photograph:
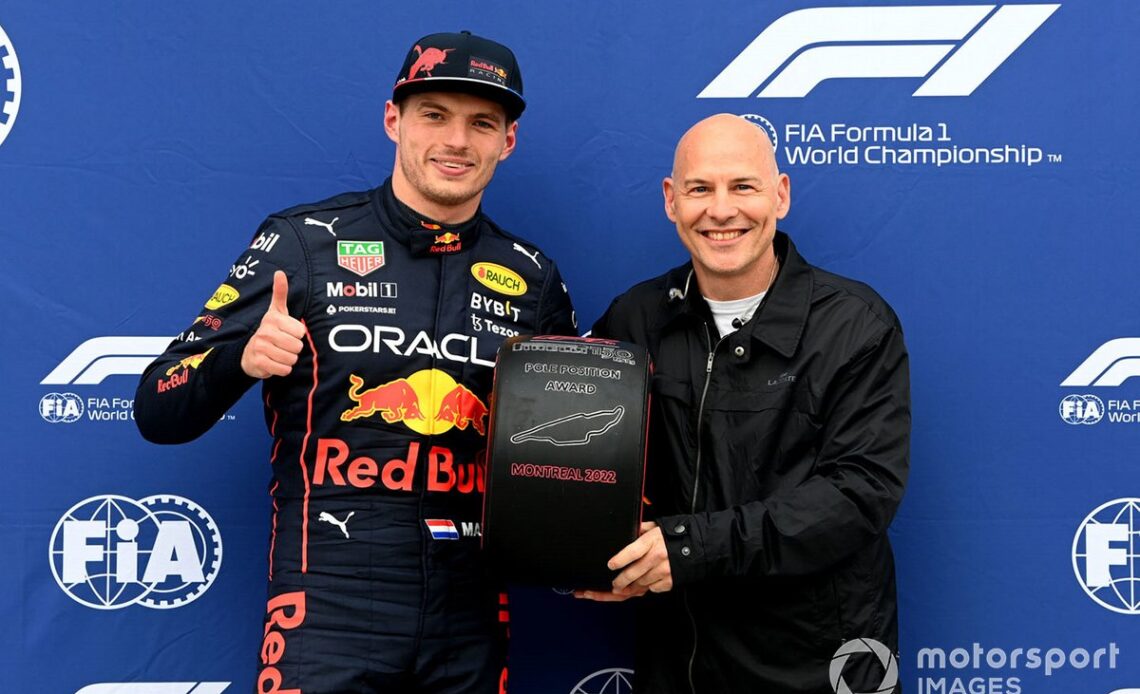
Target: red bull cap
(466, 63)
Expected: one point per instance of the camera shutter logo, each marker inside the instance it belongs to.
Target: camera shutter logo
(614, 680)
(109, 551)
(886, 658)
(1106, 555)
(11, 85)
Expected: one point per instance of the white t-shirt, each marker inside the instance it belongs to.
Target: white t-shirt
(725, 312)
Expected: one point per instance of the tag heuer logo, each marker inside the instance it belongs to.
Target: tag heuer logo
(360, 257)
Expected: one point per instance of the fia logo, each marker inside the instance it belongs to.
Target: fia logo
(11, 85)
(1106, 557)
(109, 551)
(61, 408)
(1081, 409)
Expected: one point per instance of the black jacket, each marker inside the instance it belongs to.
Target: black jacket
(778, 456)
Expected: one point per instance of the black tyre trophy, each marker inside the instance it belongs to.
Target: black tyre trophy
(566, 458)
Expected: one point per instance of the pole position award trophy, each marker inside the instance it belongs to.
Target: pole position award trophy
(565, 458)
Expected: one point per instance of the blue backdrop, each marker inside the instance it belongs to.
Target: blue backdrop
(974, 163)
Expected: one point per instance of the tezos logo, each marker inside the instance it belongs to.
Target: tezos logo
(614, 680)
(1105, 558)
(1081, 409)
(805, 47)
(11, 85)
(108, 552)
(61, 408)
(886, 658)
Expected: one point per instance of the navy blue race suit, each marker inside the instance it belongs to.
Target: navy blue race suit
(379, 433)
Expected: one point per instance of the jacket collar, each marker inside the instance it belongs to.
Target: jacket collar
(423, 236)
(780, 321)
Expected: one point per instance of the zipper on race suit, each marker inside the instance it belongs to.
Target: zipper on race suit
(696, 480)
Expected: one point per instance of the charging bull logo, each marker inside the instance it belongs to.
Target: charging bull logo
(396, 401)
(428, 60)
(462, 407)
(179, 374)
(191, 362)
(406, 400)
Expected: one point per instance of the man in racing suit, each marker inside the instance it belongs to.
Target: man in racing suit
(779, 446)
(373, 321)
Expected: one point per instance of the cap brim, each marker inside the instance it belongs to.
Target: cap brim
(511, 102)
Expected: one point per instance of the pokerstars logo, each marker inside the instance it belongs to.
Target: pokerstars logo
(11, 85)
(1106, 559)
(955, 47)
(108, 552)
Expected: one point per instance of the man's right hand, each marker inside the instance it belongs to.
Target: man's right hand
(273, 349)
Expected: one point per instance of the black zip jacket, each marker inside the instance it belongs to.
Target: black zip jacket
(778, 456)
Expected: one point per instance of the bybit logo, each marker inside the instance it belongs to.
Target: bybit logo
(805, 47)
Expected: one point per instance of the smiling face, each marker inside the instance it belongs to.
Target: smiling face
(725, 196)
(447, 147)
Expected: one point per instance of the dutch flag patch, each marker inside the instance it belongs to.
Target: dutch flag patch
(442, 529)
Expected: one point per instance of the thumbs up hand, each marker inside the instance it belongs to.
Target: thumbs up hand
(273, 349)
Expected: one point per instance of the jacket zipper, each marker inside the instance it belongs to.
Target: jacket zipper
(696, 480)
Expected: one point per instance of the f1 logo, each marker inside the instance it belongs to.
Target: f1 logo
(155, 688)
(101, 357)
(879, 42)
(1111, 364)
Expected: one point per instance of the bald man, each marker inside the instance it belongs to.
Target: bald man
(779, 440)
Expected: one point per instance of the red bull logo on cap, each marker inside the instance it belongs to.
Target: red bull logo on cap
(427, 402)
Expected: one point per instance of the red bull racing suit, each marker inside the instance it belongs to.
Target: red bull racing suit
(376, 579)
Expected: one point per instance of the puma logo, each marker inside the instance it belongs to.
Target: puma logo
(317, 223)
(343, 525)
(532, 256)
